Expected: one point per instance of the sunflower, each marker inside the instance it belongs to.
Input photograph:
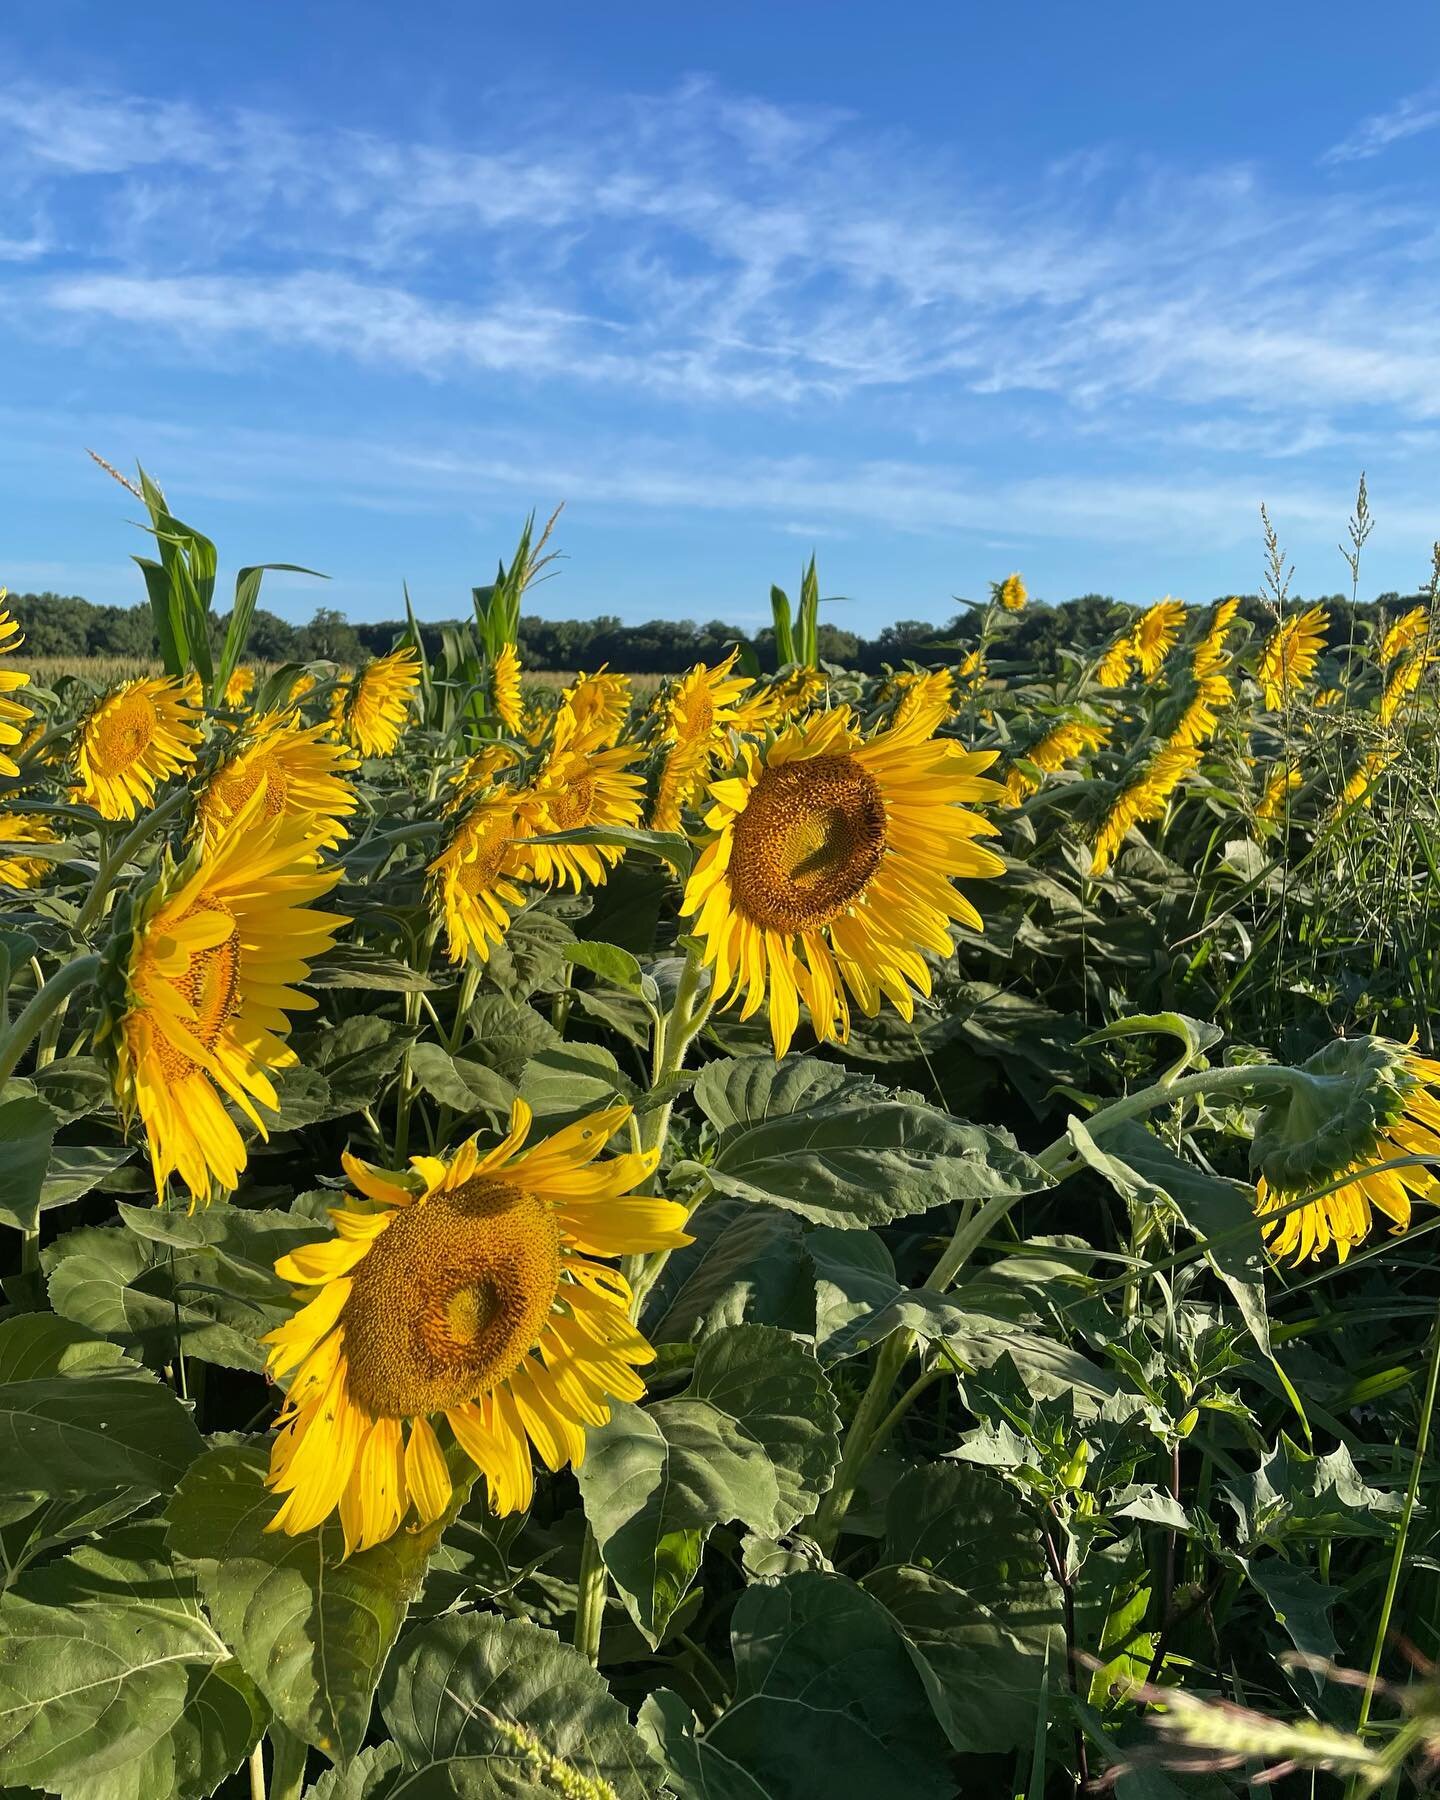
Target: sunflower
(598, 704)
(1363, 780)
(240, 686)
(773, 703)
(297, 768)
(1291, 652)
(20, 871)
(703, 706)
(831, 868)
(13, 716)
(1113, 669)
(1201, 717)
(1404, 678)
(972, 671)
(583, 783)
(132, 739)
(209, 970)
(1409, 630)
(478, 773)
(372, 708)
(1156, 633)
(924, 696)
(1061, 744)
(505, 698)
(1280, 783)
(1210, 653)
(467, 1289)
(1363, 1102)
(472, 881)
(1145, 798)
(1012, 594)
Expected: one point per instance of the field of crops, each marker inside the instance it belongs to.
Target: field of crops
(771, 1237)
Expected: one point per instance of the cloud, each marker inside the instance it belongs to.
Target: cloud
(1409, 117)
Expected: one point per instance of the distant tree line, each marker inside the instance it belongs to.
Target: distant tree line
(66, 625)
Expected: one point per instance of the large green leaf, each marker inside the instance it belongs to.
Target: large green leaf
(840, 1149)
(459, 1082)
(27, 1131)
(204, 1282)
(113, 1685)
(311, 1630)
(482, 1706)
(77, 1418)
(827, 1701)
(754, 1439)
(750, 1268)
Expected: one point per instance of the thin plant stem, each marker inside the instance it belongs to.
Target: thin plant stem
(66, 980)
(115, 858)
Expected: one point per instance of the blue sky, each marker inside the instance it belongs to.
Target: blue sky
(936, 290)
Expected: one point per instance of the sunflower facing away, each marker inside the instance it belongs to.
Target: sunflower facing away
(1012, 594)
(13, 717)
(373, 706)
(599, 704)
(1061, 744)
(1113, 669)
(1146, 798)
(832, 868)
(1291, 652)
(1365, 1102)
(467, 1290)
(1157, 631)
(926, 697)
(133, 738)
(704, 704)
(209, 974)
(505, 697)
(16, 830)
(298, 769)
(472, 882)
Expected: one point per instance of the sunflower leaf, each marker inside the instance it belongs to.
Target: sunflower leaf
(754, 1439)
(311, 1631)
(505, 1708)
(840, 1149)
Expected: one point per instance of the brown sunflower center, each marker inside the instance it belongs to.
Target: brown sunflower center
(211, 985)
(234, 785)
(121, 735)
(810, 838)
(449, 1299)
(571, 806)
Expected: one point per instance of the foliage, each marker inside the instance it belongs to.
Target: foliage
(986, 1447)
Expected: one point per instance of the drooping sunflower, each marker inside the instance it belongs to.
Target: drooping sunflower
(971, 674)
(1211, 655)
(1362, 1103)
(583, 783)
(16, 830)
(1012, 594)
(467, 1290)
(1280, 783)
(298, 769)
(373, 706)
(240, 686)
(1404, 678)
(1146, 798)
(133, 738)
(478, 773)
(1061, 744)
(1157, 631)
(472, 882)
(209, 973)
(1201, 718)
(1409, 630)
(1290, 654)
(1362, 781)
(13, 717)
(832, 867)
(1113, 669)
(703, 706)
(505, 694)
(926, 698)
(598, 704)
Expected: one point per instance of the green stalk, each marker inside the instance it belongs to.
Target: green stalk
(1402, 1533)
(287, 1763)
(115, 859)
(590, 1601)
(43, 1005)
(862, 1439)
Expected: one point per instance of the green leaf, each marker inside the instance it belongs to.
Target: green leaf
(754, 1439)
(1301, 1603)
(1294, 1495)
(27, 1131)
(206, 1281)
(114, 1685)
(355, 966)
(566, 1080)
(237, 630)
(498, 1707)
(311, 1630)
(839, 1149)
(367, 1778)
(460, 1083)
(507, 1034)
(609, 962)
(751, 1268)
(1219, 1212)
(73, 1086)
(355, 1058)
(79, 1420)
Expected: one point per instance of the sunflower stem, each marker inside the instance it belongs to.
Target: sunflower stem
(862, 1437)
(287, 1763)
(115, 858)
(43, 1005)
(257, 1770)
(590, 1599)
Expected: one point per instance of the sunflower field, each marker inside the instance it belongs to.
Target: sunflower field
(793, 1235)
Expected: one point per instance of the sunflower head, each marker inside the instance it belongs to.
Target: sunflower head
(240, 686)
(13, 717)
(17, 870)
(463, 1294)
(1320, 1148)
(132, 739)
(372, 707)
(200, 989)
(926, 696)
(830, 869)
(472, 883)
(1114, 667)
(1012, 594)
(1156, 633)
(1290, 654)
(505, 692)
(298, 772)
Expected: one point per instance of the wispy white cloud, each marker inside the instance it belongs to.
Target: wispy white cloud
(1408, 118)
